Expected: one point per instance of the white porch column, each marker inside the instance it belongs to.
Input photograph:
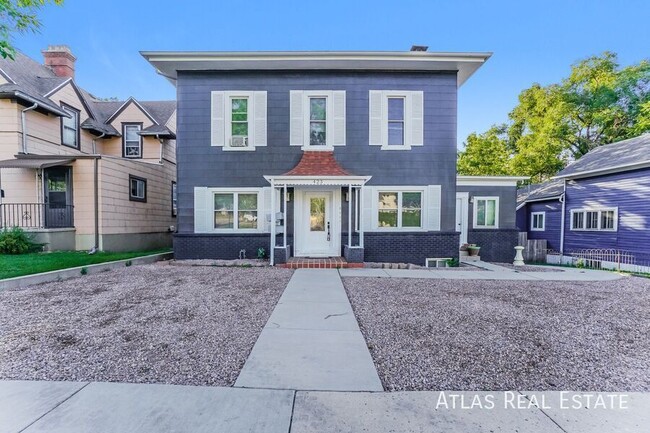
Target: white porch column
(350, 216)
(361, 216)
(272, 254)
(284, 218)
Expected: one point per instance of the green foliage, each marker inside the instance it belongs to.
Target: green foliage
(16, 241)
(84, 271)
(453, 263)
(128, 263)
(486, 154)
(19, 16)
(598, 103)
(33, 263)
(261, 253)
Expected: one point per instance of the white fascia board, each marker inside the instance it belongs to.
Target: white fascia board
(169, 63)
(315, 180)
(605, 171)
(489, 180)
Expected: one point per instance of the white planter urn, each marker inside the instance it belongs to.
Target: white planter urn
(519, 258)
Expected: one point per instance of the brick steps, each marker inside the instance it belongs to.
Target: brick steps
(318, 263)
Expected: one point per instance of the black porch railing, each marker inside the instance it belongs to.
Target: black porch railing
(36, 215)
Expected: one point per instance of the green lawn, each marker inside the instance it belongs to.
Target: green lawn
(26, 264)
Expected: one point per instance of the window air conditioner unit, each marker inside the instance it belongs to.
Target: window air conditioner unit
(239, 141)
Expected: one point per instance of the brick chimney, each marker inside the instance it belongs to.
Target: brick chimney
(60, 60)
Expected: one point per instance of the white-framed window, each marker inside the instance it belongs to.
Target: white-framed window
(235, 210)
(70, 127)
(396, 119)
(604, 219)
(174, 199)
(399, 209)
(317, 119)
(537, 221)
(486, 212)
(137, 189)
(239, 120)
(131, 140)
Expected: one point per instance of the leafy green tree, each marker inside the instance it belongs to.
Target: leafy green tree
(598, 103)
(19, 16)
(486, 154)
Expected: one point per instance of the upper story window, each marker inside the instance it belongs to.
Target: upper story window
(70, 127)
(317, 119)
(594, 219)
(137, 188)
(537, 221)
(396, 119)
(486, 212)
(238, 120)
(131, 140)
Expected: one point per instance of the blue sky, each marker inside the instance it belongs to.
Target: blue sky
(531, 41)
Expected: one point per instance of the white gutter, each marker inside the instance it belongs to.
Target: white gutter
(23, 122)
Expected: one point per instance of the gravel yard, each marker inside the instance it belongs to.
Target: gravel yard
(505, 335)
(154, 323)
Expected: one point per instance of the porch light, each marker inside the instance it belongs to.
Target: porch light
(288, 197)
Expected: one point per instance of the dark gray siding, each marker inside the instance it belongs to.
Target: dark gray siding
(497, 245)
(199, 164)
(630, 192)
(507, 203)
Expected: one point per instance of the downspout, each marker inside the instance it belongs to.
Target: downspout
(563, 200)
(160, 160)
(96, 191)
(23, 122)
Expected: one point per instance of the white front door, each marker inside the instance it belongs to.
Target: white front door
(462, 216)
(316, 231)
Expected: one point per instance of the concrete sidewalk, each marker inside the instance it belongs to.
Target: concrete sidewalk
(491, 272)
(311, 341)
(59, 407)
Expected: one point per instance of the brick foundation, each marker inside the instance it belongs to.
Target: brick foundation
(496, 245)
(410, 247)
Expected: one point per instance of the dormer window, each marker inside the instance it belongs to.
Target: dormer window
(70, 127)
(131, 140)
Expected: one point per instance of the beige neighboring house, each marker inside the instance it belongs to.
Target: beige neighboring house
(81, 172)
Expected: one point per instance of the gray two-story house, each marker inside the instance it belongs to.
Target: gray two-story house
(320, 154)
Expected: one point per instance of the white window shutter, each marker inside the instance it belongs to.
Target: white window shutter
(218, 121)
(336, 124)
(296, 137)
(368, 208)
(259, 119)
(202, 212)
(264, 209)
(433, 207)
(417, 119)
(376, 118)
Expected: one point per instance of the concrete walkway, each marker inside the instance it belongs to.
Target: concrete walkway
(490, 272)
(311, 341)
(72, 407)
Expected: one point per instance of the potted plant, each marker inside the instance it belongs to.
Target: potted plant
(473, 249)
(463, 247)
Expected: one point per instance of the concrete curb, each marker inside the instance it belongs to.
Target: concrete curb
(64, 274)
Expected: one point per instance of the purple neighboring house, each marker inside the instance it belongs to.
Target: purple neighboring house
(601, 201)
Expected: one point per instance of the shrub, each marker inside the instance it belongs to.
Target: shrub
(16, 241)
(453, 263)
(84, 271)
